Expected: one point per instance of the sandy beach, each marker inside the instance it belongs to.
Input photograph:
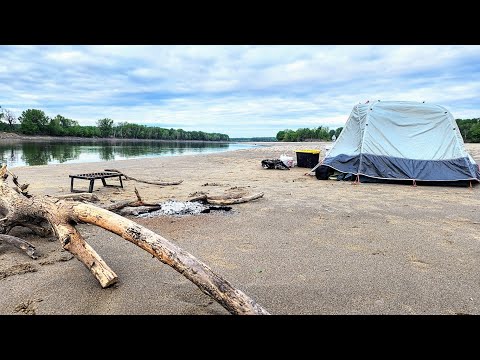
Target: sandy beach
(306, 247)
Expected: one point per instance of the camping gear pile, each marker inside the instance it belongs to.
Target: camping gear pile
(284, 163)
(274, 164)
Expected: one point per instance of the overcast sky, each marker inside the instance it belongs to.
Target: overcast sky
(241, 91)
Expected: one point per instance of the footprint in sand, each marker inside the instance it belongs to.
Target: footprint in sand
(17, 270)
(28, 307)
(56, 256)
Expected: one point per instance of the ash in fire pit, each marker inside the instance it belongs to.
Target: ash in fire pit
(174, 207)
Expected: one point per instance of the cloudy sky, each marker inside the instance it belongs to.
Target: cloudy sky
(241, 91)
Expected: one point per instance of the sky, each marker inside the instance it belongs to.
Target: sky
(241, 91)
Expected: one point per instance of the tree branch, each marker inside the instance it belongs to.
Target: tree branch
(160, 183)
(21, 244)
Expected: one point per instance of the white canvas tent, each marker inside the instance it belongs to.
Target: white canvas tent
(402, 140)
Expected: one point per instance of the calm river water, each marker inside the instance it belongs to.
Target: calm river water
(55, 152)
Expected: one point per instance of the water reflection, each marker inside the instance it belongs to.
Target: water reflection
(53, 152)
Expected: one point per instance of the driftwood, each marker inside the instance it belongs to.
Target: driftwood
(137, 210)
(21, 244)
(19, 208)
(128, 203)
(230, 201)
(79, 196)
(226, 199)
(160, 183)
(135, 207)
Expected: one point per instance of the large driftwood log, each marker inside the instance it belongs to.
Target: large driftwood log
(160, 183)
(63, 215)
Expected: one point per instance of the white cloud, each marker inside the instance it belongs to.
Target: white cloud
(66, 56)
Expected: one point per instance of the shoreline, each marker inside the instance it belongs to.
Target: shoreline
(16, 137)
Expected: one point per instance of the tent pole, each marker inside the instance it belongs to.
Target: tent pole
(357, 180)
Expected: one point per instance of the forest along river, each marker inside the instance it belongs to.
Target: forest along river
(31, 153)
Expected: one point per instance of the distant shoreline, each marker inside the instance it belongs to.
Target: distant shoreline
(18, 137)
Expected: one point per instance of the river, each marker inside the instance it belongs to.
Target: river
(31, 153)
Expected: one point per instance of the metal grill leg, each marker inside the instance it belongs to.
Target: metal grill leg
(90, 189)
(71, 184)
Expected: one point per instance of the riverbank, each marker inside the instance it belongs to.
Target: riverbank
(307, 247)
(6, 136)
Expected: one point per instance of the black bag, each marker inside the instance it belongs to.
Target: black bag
(323, 172)
(274, 164)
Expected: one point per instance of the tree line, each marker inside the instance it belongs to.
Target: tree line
(470, 129)
(255, 139)
(36, 122)
(306, 134)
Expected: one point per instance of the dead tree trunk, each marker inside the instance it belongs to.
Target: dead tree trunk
(17, 207)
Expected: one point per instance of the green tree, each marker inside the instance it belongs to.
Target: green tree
(281, 135)
(290, 135)
(33, 122)
(467, 129)
(321, 133)
(55, 128)
(475, 133)
(105, 126)
(65, 126)
(338, 131)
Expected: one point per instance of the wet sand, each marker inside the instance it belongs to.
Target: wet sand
(307, 247)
